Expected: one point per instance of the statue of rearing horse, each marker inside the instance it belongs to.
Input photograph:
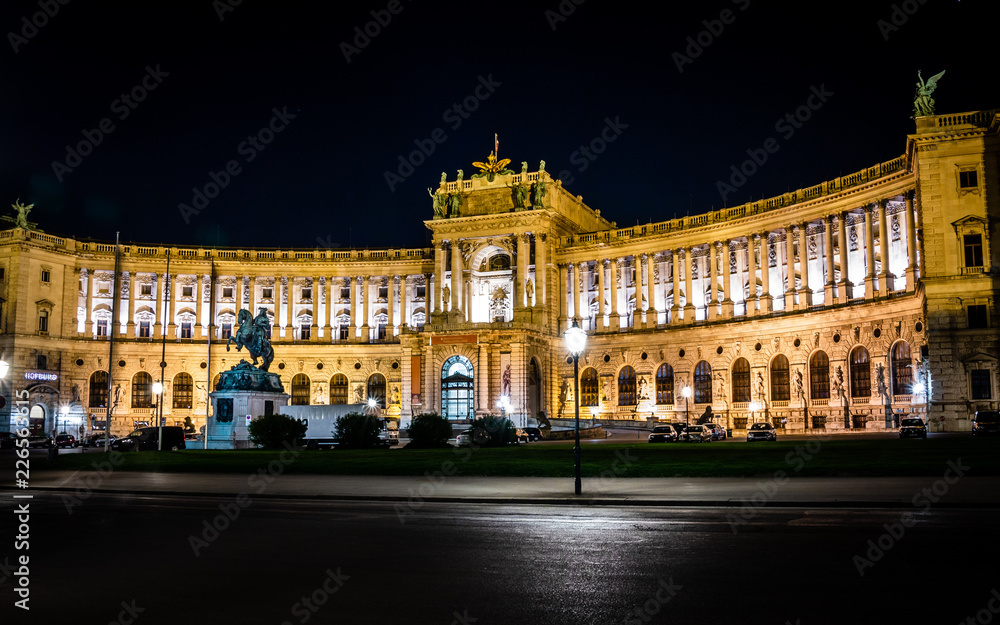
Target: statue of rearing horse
(252, 334)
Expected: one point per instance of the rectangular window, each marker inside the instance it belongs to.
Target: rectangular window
(227, 292)
(973, 250)
(227, 330)
(968, 179)
(381, 331)
(343, 333)
(41, 361)
(383, 292)
(102, 327)
(3, 273)
(187, 291)
(103, 288)
(977, 316)
(186, 330)
(307, 293)
(145, 289)
(304, 332)
(46, 275)
(421, 291)
(345, 292)
(981, 384)
(143, 329)
(267, 293)
(43, 321)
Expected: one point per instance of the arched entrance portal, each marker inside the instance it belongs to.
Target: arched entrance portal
(534, 389)
(457, 388)
(36, 420)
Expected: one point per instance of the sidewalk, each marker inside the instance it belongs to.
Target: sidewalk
(888, 492)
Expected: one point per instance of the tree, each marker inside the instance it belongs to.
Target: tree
(493, 431)
(428, 431)
(357, 431)
(273, 431)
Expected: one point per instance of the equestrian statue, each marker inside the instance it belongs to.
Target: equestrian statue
(253, 334)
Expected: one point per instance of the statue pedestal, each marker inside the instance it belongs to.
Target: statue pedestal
(243, 393)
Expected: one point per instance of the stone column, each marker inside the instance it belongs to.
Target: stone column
(751, 275)
(828, 252)
(766, 301)
(541, 269)
(565, 298)
(805, 293)
(172, 310)
(199, 295)
(652, 314)
(133, 286)
(911, 244)
(843, 287)
(456, 276)
(869, 253)
(328, 311)
(390, 329)
(688, 299)
(352, 320)
(675, 310)
(483, 380)
(522, 271)
(790, 268)
(574, 290)
(713, 280)
(601, 267)
(314, 328)
(290, 308)
(884, 277)
(727, 280)
(160, 307)
(440, 257)
(251, 286)
(616, 265)
(276, 297)
(641, 261)
(366, 299)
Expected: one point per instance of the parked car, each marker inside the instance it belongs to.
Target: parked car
(522, 436)
(7, 440)
(698, 434)
(718, 432)
(97, 440)
(147, 439)
(913, 428)
(39, 441)
(464, 439)
(66, 440)
(662, 434)
(680, 429)
(534, 434)
(986, 422)
(761, 431)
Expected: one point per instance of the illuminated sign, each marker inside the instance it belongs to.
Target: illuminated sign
(40, 375)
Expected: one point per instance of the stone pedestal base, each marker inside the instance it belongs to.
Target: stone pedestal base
(243, 393)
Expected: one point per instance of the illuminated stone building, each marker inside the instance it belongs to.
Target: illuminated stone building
(825, 308)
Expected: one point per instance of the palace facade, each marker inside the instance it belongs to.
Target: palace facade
(836, 307)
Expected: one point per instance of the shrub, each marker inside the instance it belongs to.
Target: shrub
(272, 431)
(428, 431)
(493, 431)
(357, 431)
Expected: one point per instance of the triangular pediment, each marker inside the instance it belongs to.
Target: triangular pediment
(969, 220)
(979, 357)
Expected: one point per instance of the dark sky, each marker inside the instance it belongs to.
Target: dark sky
(322, 180)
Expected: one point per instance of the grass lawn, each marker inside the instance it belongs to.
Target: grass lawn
(837, 457)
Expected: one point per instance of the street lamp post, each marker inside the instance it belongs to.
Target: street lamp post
(158, 412)
(754, 407)
(686, 392)
(576, 341)
(504, 405)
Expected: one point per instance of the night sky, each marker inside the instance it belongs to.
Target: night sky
(548, 78)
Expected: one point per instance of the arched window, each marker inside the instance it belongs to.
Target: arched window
(626, 386)
(703, 383)
(457, 389)
(780, 389)
(665, 384)
(338, 389)
(376, 389)
(99, 389)
(183, 390)
(300, 390)
(861, 373)
(902, 373)
(589, 388)
(741, 380)
(142, 390)
(819, 376)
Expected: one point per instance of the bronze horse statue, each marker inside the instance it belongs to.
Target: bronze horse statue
(252, 334)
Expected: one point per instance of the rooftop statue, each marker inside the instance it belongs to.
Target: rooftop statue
(253, 334)
(22, 213)
(440, 203)
(923, 103)
(455, 205)
(492, 167)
